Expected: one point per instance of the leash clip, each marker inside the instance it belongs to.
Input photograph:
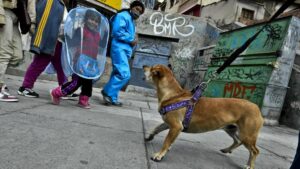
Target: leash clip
(204, 85)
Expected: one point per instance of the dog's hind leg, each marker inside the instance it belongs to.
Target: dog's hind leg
(253, 150)
(248, 138)
(157, 129)
(232, 131)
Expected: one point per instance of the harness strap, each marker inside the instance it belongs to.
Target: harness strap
(190, 104)
(174, 106)
(187, 117)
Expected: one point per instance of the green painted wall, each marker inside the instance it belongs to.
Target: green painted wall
(270, 40)
(248, 76)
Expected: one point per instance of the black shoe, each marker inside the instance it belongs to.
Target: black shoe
(73, 96)
(107, 100)
(119, 104)
(27, 92)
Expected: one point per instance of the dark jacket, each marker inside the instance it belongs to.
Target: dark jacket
(49, 15)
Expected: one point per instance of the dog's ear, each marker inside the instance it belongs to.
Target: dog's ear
(159, 70)
(155, 72)
(145, 67)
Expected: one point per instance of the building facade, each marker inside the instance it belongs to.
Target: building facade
(227, 14)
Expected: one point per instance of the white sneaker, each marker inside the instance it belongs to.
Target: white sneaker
(5, 96)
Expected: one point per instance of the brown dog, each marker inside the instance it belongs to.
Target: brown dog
(240, 118)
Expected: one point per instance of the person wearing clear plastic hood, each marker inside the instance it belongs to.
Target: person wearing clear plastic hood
(85, 44)
(122, 44)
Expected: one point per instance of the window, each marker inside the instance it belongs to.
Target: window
(173, 2)
(247, 14)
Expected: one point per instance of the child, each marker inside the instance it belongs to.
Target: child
(85, 64)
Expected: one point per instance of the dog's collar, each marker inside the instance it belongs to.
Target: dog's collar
(185, 103)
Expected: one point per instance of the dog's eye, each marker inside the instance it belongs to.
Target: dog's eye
(155, 73)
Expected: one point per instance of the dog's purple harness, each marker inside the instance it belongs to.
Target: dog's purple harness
(190, 104)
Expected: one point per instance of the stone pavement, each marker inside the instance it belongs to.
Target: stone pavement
(34, 134)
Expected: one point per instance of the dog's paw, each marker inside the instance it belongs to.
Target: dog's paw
(156, 157)
(225, 150)
(149, 138)
(247, 167)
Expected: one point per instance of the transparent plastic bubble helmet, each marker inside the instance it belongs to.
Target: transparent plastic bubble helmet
(86, 33)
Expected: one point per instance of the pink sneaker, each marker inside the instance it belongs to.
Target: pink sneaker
(56, 94)
(84, 102)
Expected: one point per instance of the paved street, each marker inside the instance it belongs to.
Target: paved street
(34, 134)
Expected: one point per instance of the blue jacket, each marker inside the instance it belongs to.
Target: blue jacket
(123, 31)
(49, 15)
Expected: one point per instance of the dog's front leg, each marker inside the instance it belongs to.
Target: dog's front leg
(157, 129)
(172, 135)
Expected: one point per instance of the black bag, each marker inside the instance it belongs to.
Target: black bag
(23, 16)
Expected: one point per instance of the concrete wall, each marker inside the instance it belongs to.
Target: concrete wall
(193, 33)
(259, 11)
(291, 109)
(279, 80)
(227, 12)
(200, 65)
(221, 13)
(174, 8)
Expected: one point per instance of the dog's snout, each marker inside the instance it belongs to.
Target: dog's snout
(144, 66)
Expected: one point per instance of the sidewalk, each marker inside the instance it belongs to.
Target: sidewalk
(34, 134)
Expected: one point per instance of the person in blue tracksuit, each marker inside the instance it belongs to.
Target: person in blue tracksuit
(123, 40)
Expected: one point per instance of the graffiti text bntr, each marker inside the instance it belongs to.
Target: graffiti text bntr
(166, 25)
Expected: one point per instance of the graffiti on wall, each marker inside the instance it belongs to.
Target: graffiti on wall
(273, 34)
(252, 92)
(295, 105)
(187, 34)
(201, 62)
(238, 90)
(203, 59)
(256, 74)
(268, 41)
(165, 24)
(148, 45)
(180, 66)
(274, 96)
(184, 53)
(222, 52)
